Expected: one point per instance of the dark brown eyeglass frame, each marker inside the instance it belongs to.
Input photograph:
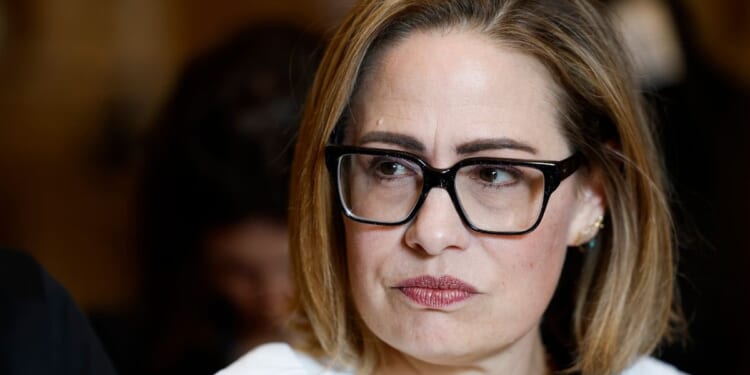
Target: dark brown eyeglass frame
(554, 173)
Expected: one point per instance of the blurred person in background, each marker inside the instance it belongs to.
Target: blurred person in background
(214, 202)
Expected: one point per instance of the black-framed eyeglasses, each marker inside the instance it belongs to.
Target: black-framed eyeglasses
(491, 195)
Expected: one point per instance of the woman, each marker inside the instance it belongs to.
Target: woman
(451, 154)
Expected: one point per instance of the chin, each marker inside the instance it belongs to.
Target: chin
(444, 345)
(443, 353)
(439, 340)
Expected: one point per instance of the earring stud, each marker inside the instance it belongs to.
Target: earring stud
(598, 224)
(593, 227)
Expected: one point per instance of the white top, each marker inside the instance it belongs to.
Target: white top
(281, 359)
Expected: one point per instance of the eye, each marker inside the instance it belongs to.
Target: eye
(391, 168)
(496, 175)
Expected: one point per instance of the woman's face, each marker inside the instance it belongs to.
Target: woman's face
(447, 96)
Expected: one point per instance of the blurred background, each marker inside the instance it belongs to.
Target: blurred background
(83, 83)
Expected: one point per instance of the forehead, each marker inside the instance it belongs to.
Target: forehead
(445, 88)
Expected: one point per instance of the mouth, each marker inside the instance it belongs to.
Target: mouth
(436, 292)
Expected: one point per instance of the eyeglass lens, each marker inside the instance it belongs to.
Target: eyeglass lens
(494, 197)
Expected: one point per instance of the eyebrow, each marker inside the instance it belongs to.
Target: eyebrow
(402, 140)
(410, 143)
(494, 144)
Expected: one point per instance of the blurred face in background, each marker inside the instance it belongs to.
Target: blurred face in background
(249, 266)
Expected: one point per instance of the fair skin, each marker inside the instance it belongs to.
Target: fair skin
(431, 94)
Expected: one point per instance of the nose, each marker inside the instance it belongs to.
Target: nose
(437, 226)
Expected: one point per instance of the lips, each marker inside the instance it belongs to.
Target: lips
(436, 292)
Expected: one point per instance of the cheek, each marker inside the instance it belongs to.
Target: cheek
(366, 257)
(549, 243)
(542, 257)
(368, 248)
(358, 254)
(529, 266)
(522, 276)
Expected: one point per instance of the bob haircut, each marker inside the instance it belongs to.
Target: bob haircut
(623, 305)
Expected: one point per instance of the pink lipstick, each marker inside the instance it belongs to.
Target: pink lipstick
(436, 292)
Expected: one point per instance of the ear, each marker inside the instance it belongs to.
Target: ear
(590, 206)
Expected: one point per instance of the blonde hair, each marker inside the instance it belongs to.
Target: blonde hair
(624, 302)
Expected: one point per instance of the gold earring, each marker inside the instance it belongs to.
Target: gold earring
(598, 224)
(594, 227)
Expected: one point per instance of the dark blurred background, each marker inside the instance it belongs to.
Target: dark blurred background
(82, 82)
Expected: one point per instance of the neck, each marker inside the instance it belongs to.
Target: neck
(526, 356)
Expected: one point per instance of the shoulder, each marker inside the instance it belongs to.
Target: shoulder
(277, 359)
(651, 366)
